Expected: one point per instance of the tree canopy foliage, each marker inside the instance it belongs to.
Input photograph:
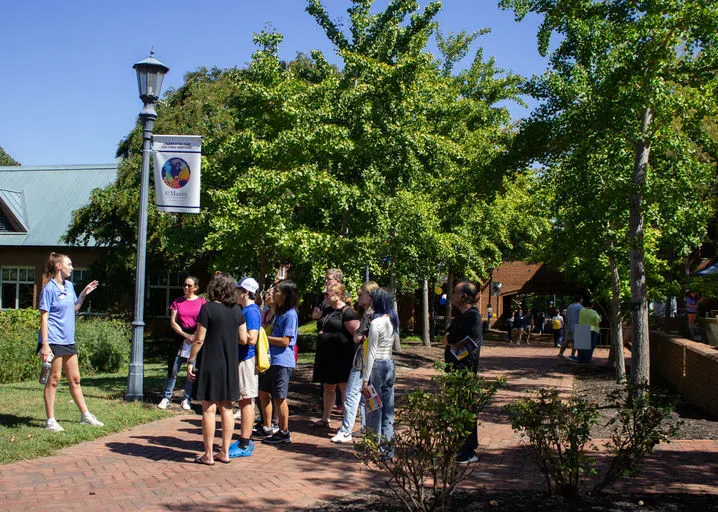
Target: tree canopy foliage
(388, 162)
(6, 159)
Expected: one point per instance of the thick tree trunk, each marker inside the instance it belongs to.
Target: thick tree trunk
(619, 362)
(449, 291)
(640, 362)
(425, 314)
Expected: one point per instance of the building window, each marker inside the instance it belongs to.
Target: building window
(17, 286)
(80, 278)
(164, 288)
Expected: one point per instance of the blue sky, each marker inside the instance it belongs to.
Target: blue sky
(68, 93)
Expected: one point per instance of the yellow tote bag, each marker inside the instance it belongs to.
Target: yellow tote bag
(262, 351)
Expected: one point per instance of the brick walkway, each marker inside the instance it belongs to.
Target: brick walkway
(150, 467)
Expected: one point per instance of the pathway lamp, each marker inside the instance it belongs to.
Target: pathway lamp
(150, 73)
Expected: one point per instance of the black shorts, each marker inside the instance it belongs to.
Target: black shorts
(60, 350)
(275, 381)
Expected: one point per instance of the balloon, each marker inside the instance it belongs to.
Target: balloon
(438, 290)
(442, 300)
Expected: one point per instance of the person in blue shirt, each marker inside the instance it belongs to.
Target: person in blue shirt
(248, 379)
(281, 353)
(58, 306)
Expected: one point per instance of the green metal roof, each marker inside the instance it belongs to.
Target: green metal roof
(42, 199)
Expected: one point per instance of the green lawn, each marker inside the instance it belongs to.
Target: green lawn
(22, 412)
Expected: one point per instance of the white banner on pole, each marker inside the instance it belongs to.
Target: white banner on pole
(178, 160)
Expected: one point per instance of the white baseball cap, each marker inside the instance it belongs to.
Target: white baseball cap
(248, 284)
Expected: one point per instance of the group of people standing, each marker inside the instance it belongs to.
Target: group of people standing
(354, 353)
(217, 338)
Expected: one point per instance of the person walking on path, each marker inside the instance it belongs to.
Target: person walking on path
(571, 320)
(282, 361)
(58, 307)
(379, 370)
(518, 325)
(352, 395)
(466, 323)
(248, 377)
(183, 321)
(221, 327)
(557, 327)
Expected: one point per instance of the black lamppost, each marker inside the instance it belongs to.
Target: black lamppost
(150, 73)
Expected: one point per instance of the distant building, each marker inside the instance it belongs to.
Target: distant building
(36, 205)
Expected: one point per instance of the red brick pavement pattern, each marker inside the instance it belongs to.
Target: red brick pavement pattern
(150, 467)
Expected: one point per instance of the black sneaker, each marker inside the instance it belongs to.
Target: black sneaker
(262, 431)
(466, 458)
(278, 438)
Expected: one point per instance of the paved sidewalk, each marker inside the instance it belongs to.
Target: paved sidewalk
(150, 467)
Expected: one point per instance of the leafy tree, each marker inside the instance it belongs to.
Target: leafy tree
(638, 79)
(6, 159)
(317, 167)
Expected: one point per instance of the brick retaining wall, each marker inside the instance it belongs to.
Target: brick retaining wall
(690, 367)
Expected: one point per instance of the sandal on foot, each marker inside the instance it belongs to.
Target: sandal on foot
(322, 424)
(200, 460)
(218, 457)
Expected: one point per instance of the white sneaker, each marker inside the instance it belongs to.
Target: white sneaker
(342, 437)
(185, 405)
(89, 419)
(53, 426)
(164, 403)
(238, 415)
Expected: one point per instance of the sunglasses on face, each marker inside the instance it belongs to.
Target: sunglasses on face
(188, 285)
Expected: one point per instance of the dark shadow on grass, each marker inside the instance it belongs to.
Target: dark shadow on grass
(13, 421)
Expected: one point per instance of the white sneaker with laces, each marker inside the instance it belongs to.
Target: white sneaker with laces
(342, 437)
(238, 415)
(53, 426)
(163, 403)
(89, 419)
(185, 405)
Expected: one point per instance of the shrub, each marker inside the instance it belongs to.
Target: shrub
(640, 424)
(558, 433)
(18, 343)
(103, 345)
(431, 427)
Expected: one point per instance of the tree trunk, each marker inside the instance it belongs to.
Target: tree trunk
(397, 338)
(449, 292)
(425, 313)
(619, 362)
(640, 362)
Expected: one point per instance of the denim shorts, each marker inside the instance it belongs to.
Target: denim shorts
(277, 382)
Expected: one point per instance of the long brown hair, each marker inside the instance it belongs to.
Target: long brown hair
(50, 267)
(339, 289)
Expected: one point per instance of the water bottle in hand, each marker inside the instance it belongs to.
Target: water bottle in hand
(46, 367)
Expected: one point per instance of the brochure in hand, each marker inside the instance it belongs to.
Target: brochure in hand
(462, 349)
(372, 400)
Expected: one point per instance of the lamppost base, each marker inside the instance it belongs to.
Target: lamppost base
(133, 398)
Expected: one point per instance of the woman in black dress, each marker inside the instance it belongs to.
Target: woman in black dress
(220, 329)
(335, 348)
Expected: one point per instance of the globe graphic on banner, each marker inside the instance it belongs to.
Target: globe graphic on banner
(175, 173)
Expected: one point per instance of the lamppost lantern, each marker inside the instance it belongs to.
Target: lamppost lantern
(150, 73)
